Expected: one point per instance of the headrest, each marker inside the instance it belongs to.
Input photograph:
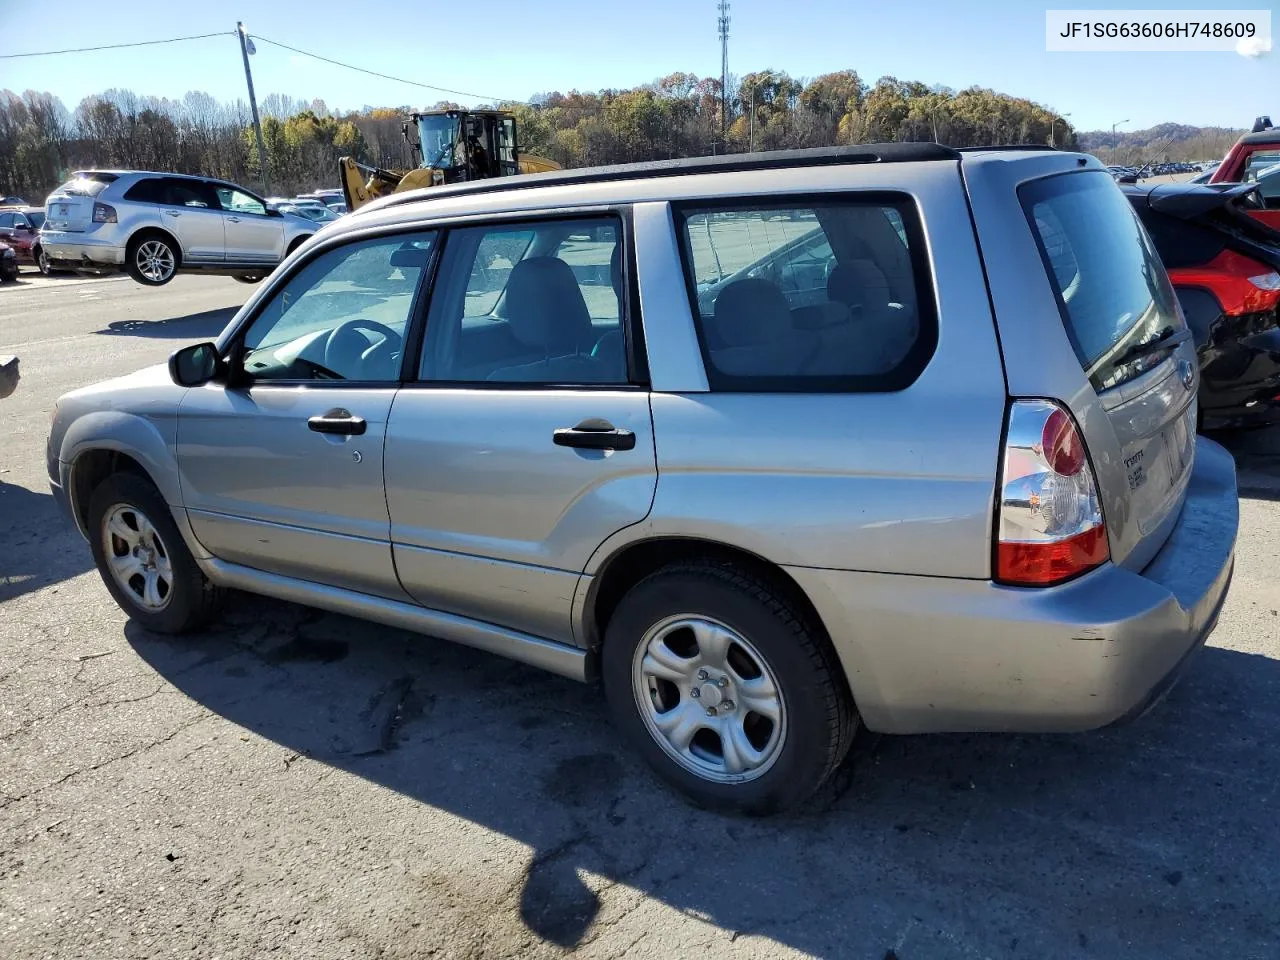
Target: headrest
(545, 307)
(751, 311)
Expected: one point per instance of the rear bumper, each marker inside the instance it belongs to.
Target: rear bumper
(78, 250)
(928, 655)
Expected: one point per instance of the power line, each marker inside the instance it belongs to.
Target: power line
(385, 76)
(115, 46)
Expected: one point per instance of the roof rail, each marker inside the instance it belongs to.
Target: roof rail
(724, 163)
(1009, 146)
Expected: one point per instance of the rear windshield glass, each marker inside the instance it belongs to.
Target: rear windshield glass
(36, 217)
(1112, 289)
(86, 184)
(810, 295)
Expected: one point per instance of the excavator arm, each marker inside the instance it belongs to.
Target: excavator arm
(362, 183)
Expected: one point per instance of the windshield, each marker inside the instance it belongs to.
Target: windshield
(437, 134)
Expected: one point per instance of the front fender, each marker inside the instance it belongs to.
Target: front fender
(148, 442)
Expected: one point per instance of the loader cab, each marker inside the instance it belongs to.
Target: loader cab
(463, 145)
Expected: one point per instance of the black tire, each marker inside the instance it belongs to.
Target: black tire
(297, 242)
(168, 244)
(820, 718)
(248, 277)
(192, 600)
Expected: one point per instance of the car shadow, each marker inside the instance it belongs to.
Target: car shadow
(1160, 833)
(194, 326)
(37, 547)
(1257, 456)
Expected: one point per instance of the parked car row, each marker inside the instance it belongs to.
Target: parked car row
(894, 436)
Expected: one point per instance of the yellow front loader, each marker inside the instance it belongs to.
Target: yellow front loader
(453, 146)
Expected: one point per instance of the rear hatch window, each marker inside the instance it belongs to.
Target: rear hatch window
(1112, 289)
(85, 185)
(70, 207)
(1116, 304)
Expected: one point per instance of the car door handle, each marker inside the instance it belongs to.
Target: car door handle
(172, 213)
(233, 219)
(338, 422)
(594, 433)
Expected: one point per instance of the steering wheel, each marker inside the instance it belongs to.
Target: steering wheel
(345, 348)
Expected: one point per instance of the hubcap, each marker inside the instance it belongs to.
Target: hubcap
(155, 260)
(709, 699)
(137, 557)
(43, 262)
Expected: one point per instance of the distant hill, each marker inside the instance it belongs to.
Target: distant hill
(1165, 141)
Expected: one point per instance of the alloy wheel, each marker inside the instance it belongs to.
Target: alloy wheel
(137, 557)
(154, 260)
(709, 699)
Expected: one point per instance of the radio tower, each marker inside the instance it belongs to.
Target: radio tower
(723, 26)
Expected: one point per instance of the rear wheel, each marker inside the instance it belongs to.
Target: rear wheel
(143, 559)
(152, 259)
(726, 688)
(42, 261)
(248, 277)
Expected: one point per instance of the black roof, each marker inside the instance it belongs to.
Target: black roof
(724, 163)
(1270, 135)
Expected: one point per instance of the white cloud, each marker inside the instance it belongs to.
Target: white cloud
(1254, 46)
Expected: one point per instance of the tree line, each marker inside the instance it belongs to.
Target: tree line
(679, 115)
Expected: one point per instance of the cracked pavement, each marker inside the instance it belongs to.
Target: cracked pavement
(302, 784)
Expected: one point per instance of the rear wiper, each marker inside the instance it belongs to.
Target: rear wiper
(1167, 340)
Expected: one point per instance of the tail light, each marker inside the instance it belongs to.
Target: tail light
(1049, 526)
(1241, 284)
(104, 213)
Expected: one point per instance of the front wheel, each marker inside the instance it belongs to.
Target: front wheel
(143, 559)
(727, 689)
(248, 277)
(42, 261)
(152, 260)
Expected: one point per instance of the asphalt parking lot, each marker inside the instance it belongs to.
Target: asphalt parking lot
(301, 784)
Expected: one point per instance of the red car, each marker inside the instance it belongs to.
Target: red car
(1252, 154)
(20, 229)
(1225, 269)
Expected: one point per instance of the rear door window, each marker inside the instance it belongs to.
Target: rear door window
(822, 295)
(1112, 290)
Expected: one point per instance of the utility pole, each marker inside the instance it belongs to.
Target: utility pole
(246, 47)
(1113, 138)
(1053, 139)
(723, 26)
(751, 135)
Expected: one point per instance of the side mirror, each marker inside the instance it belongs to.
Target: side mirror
(196, 365)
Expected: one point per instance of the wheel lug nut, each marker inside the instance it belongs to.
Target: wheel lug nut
(695, 693)
(726, 705)
(711, 711)
(724, 681)
(702, 674)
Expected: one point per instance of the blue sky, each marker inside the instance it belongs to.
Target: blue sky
(514, 48)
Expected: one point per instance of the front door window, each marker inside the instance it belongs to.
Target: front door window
(343, 316)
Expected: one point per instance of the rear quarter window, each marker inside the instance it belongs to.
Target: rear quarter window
(1112, 290)
(819, 294)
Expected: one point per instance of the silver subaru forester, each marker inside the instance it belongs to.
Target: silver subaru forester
(157, 225)
(773, 445)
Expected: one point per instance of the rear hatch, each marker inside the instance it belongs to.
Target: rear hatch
(70, 207)
(1130, 339)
